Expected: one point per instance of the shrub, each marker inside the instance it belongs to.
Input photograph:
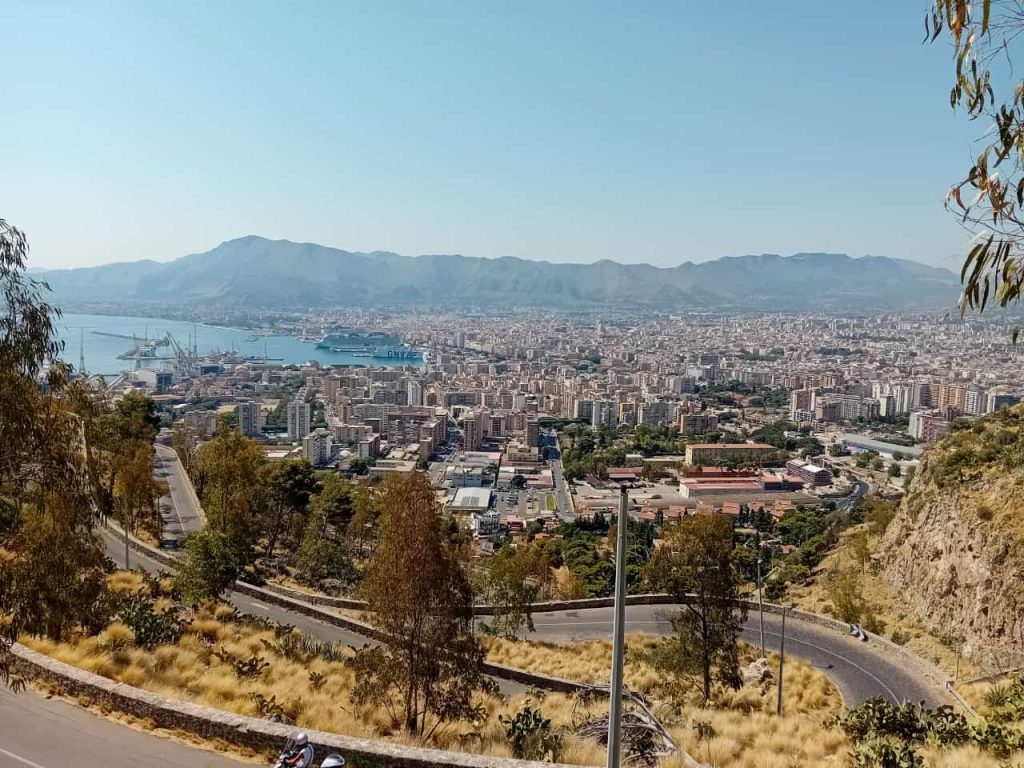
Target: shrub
(150, 627)
(876, 725)
(531, 737)
(883, 753)
(1006, 702)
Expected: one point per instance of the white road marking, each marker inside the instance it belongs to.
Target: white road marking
(20, 759)
(260, 605)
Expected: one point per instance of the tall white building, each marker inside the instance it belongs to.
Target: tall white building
(604, 413)
(249, 418)
(317, 447)
(299, 415)
(414, 393)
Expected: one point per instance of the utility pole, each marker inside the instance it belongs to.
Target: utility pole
(760, 604)
(618, 636)
(782, 659)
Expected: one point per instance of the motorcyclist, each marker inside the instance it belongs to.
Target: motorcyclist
(299, 753)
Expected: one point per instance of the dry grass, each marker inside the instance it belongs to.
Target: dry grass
(190, 670)
(807, 690)
(968, 757)
(758, 740)
(587, 662)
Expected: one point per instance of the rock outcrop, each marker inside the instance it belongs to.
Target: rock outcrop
(956, 546)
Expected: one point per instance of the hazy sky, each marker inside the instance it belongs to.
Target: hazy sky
(559, 130)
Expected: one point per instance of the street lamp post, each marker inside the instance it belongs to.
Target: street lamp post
(618, 636)
(760, 605)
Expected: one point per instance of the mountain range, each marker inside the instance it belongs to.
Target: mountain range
(256, 272)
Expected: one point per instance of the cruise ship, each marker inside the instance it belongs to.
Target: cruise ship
(371, 344)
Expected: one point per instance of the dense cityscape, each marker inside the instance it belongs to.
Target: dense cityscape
(501, 385)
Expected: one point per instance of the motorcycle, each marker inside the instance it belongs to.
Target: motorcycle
(291, 749)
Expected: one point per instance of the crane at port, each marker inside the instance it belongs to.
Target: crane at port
(184, 358)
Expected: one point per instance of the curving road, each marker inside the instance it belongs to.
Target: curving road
(36, 732)
(857, 669)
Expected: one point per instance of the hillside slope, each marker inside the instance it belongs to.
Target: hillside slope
(956, 547)
(257, 272)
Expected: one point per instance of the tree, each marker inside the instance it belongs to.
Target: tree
(695, 566)
(844, 590)
(894, 469)
(185, 442)
(135, 418)
(419, 596)
(322, 554)
(515, 578)
(233, 494)
(50, 561)
(136, 491)
(208, 566)
(861, 548)
(990, 199)
(365, 512)
(518, 481)
(289, 486)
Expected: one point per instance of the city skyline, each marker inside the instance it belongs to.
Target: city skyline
(568, 134)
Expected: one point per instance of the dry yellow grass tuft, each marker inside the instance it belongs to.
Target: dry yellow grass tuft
(807, 690)
(968, 757)
(127, 583)
(759, 740)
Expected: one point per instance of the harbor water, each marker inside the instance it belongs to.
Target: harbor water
(103, 337)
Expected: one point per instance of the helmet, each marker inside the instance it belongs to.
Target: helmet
(300, 740)
(333, 761)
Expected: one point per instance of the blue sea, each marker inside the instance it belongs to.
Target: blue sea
(84, 331)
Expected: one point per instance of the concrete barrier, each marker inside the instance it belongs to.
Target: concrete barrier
(238, 730)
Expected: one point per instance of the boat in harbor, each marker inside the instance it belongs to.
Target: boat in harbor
(370, 344)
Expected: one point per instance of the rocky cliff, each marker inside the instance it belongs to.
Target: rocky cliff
(956, 547)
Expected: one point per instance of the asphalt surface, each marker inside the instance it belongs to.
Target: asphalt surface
(857, 669)
(36, 732)
(860, 489)
(179, 508)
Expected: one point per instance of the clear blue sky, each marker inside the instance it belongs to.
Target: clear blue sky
(558, 130)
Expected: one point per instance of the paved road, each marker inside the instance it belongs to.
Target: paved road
(36, 732)
(859, 672)
(860, 489)
(179, 508)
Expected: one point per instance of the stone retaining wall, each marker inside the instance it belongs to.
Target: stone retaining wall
(238, 730)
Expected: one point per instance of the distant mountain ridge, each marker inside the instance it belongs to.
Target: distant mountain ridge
(256, 272)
